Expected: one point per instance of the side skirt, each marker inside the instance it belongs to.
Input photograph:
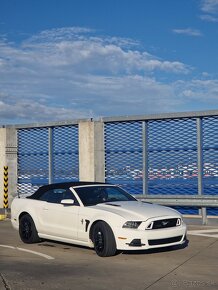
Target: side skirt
(65, 240)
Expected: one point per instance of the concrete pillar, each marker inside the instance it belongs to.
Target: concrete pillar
(8, 157)
(91, 151)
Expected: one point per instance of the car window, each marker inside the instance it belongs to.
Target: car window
(91, 195)
(115, 195)
(57, 194)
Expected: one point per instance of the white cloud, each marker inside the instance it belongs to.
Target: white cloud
(209, 18)
(202, 91)
(71, 73)
(84, 53)
(209, 6)
(188, 31)
(25, 110)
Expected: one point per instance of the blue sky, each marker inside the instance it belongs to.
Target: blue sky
(68, 59)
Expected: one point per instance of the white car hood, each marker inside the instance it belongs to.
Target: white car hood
(136, 210)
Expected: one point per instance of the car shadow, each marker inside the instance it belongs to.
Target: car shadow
(66, 246)
(157, 250)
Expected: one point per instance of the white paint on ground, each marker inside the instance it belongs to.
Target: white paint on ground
(28, 251)
(6, 246)
(212, 233)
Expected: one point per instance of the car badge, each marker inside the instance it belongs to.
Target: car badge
(164, 223)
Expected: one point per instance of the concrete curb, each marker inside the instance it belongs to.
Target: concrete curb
(5, 213)
(2, 217)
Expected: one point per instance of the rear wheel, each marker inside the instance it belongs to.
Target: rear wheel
(27, 230)
(103, 239)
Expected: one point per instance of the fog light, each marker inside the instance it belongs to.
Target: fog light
(136, 243)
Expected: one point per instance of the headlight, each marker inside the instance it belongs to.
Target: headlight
(131, 225)
(179, 222)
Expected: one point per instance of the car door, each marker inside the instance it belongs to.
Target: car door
(84, 218)
(56, 219)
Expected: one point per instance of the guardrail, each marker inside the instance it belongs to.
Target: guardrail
(183, 200)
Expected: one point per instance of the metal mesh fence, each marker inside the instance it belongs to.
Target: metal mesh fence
(123, 155)
(210, 155)
(32, 159)
(35, 153)
(172, 157)
(210, 158)
(151, 156)
(65, 154)
(167, 151)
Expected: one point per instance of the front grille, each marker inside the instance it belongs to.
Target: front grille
(166, 223)
(164, 241)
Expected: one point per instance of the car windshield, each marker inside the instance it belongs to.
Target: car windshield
(92, 195)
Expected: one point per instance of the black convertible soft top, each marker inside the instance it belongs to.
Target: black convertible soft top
(47, 187)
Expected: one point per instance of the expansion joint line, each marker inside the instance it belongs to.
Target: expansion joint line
(7, 287)
(170, 272)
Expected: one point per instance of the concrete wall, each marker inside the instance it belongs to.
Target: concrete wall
(8, 157)
(91, 151)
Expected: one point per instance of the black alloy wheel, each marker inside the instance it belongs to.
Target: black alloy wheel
(103, 239)
(27, 230)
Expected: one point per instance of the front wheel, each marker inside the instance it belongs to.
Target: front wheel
(103, 239)
(27, 230)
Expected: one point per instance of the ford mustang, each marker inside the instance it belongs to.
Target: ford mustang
(97, 215)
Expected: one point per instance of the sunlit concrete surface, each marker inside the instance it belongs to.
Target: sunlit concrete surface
(51, 265)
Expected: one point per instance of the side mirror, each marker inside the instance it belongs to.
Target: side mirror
(67, 201)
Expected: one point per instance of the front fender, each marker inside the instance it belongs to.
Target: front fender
(113, 220)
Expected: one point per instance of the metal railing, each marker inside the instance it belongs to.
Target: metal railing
(202, 202)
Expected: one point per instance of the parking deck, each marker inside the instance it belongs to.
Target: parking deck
(51, 265)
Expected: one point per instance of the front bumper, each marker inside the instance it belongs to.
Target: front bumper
(136, 239)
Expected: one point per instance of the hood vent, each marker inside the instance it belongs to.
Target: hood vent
(112, 204)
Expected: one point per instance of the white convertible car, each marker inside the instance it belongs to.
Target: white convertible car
(98, 215)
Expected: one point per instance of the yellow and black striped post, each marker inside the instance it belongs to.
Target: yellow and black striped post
(5, 186)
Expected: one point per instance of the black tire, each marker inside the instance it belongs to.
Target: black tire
(103, 239)
(27, 230)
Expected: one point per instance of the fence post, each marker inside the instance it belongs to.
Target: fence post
(50, 156)
(8, 166)
(200, 167)
(145, 156)
(91, 151)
